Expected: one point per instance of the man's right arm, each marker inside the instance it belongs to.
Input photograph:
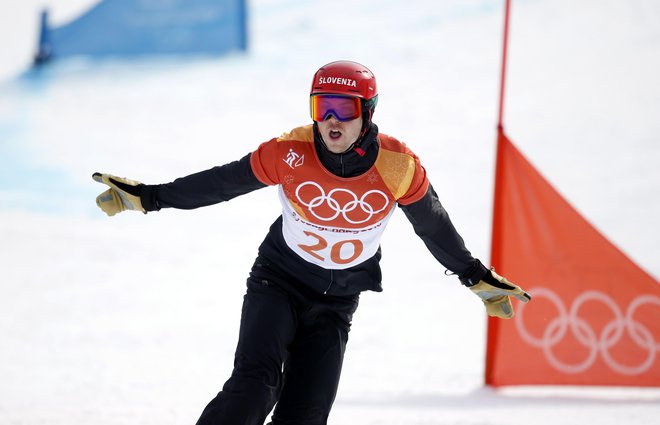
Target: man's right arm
(209, 187)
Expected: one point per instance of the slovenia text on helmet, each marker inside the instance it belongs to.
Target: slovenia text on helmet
(348, 78)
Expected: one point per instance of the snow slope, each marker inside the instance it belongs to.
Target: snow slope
(134, 319)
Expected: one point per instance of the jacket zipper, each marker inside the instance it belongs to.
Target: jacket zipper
(332, 279)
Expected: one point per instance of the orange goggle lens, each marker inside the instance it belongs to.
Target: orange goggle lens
(343, 108)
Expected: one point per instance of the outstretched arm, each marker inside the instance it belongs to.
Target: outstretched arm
(208, 187)
(431, 223)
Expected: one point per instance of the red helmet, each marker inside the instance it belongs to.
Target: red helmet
(345, 78)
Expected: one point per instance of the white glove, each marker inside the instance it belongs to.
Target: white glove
(124, 194)
(495, 290)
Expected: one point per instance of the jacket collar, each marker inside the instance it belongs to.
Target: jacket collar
(355, 161)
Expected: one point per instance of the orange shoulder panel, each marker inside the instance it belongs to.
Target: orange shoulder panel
(262, 161)
(401, 170)
(301, 134)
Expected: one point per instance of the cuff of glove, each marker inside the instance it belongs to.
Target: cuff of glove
(149, 197)
(471, 277)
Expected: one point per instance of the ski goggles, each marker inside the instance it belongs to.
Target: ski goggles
(343, 108)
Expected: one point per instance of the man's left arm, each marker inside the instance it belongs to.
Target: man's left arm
(433, 225)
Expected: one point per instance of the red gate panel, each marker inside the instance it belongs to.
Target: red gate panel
(595, 315)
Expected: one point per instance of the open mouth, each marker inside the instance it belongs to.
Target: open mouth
(334, 134)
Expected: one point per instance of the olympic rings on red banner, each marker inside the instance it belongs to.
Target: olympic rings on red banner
(583, 332)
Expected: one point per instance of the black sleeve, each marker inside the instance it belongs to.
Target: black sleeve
(432, 224)
(208, 187)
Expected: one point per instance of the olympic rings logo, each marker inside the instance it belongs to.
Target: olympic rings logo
(366, 208)
(610, 335)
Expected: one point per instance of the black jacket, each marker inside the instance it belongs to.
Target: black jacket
(222, 183)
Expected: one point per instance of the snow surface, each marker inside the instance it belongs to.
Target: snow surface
(133, 319)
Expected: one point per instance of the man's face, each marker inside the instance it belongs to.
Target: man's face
(339, 136)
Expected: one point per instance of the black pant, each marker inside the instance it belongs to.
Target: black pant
(290, 352)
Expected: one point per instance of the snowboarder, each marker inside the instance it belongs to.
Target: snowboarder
(339, 181)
